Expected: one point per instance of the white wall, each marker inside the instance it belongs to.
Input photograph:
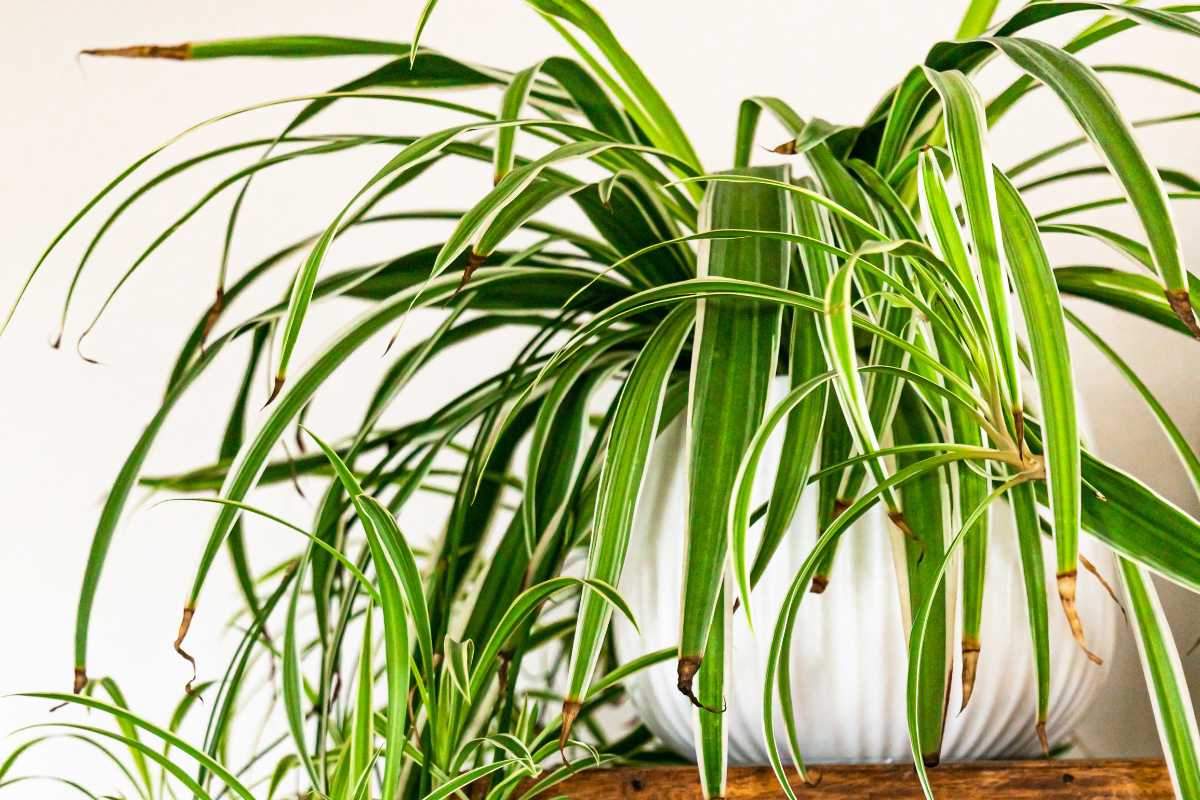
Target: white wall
(70, 125)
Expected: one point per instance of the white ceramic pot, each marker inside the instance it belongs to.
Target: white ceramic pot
(849, 661)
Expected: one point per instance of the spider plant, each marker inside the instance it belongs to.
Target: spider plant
(883, 265)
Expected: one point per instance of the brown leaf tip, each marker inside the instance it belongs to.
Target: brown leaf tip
(81, 680)
(1066, 594)
(275, 390)
(570, 710)
(1041, 734)
(474, 262)
(1181, 304)
(185, 624)
(970, 664)
(819, 584)
(788, 148)
(214, 313)
(175, 52)
(686, 671)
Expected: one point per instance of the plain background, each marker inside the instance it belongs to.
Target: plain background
(70, 125)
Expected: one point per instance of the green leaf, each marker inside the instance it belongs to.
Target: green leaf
(1042, 309)
(1183, 449)
(976, 19)
(920, 630)
(966, 129)
(635, 424)
(638, 96)
(734, 357)
(117, 712)
(1169, 694)
(1033, 573)
(1097, 113)
(739, 509)
(926, 505)
(1136, 294)
(389, 556)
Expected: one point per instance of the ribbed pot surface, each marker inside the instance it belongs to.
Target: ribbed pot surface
(849, 661)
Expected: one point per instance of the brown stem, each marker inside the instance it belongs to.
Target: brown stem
(1066, 593)
(189, 611)
(970, 662)
(1181, 304)
(176, 52)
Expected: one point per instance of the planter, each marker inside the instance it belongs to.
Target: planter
(849, 662)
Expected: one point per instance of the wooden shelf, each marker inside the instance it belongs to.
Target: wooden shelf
(1020, 780)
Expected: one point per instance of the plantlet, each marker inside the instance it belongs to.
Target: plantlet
(885, 269)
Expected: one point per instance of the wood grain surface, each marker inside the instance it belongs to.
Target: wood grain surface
(1020, 780)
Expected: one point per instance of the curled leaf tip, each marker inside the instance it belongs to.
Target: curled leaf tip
(1090, 567)
(279, 380)
(788, 148)
(1041, 734)
(82, 355)
(970, 663)
(1066, 594)
(1181, 304)
(686, 671)
(185, 624)
(570, 710)
(819, 584)
(81, 680)
(176, 52)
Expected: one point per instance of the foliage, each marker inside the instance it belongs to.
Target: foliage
(886, 269)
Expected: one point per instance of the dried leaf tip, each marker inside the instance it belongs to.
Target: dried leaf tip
(474, 262)
(81, 680)
(685, 672)
(1181, 304)
(819, 584)
(214, 313)
(185, 624)
(175, 52)
(788, 148)
(570, 710)
(279, 380)
(1041, 734)
(970, 663)
(1066, 593)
